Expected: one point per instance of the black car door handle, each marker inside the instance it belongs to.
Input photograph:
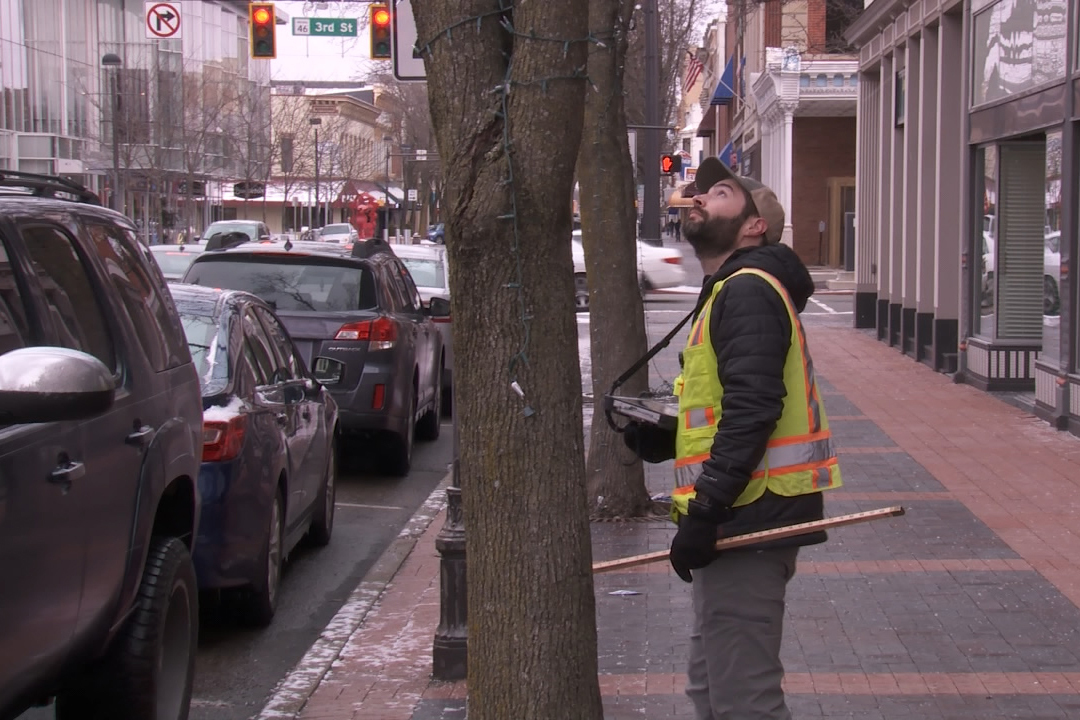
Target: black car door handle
(67, 473)
(305, 413)
(282, 418)
(140, 436)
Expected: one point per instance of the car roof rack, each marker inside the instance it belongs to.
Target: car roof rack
(48, 186)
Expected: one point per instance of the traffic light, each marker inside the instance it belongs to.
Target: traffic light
(263, 41)
(670, 164)
(380, 33)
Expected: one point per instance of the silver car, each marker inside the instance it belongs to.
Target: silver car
(341, 233)
(431, 272)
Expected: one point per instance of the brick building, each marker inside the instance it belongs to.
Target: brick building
(786, 100)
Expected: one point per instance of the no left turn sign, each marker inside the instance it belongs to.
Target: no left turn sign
(162, 20)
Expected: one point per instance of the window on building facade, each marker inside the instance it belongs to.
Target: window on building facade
(287, 153)
(1021, 241)
(1017, 45)
(900, 98)
(985, 194)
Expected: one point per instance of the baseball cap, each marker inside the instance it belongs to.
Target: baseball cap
(712, 170)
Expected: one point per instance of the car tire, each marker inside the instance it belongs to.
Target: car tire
(322, 524)
(429, 426)
(261, 599)
(581, 293)
(398, 458)
(148, 671)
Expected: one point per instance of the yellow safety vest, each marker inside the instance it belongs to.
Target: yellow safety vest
(799, 457)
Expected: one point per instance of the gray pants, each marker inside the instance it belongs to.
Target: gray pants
(735, 668)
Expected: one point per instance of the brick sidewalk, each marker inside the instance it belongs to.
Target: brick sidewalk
(966, 607)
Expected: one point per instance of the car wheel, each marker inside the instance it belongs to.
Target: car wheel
(1051, 299)
(398, 458)
(262, 598)
(148, 671)
(322, 525)
(430, 425)
(581, 293)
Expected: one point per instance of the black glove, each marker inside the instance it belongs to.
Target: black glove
(650, 443)
(694, 545)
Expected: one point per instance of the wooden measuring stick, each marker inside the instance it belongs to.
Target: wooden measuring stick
(756, 537)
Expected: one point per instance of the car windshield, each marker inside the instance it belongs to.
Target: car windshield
(341, 229)
(174, 262)
(426, 273)
(249, 229)
(295, 283)
(211, 357)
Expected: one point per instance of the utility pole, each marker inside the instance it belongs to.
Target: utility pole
(316, 122)
(650, 212)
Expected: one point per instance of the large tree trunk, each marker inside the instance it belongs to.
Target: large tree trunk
(507, 111)
(616, 479)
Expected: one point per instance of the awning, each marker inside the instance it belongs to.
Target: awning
(725, 89)
(707, 126)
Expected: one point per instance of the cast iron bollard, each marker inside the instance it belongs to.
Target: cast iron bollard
(450, 651)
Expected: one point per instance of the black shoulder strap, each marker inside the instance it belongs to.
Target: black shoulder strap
(644, 359)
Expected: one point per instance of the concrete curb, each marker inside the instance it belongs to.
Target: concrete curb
(292, 692)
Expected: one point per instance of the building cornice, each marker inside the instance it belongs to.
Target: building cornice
(874, 19)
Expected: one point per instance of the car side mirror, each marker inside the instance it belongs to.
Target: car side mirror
(328, 371)
(50, 384)
(438, 307)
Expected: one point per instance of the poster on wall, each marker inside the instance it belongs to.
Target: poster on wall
(1017, 45)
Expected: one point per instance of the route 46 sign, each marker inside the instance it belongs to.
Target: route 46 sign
(162, 20)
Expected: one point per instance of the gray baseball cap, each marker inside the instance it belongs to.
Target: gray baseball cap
(712, 170)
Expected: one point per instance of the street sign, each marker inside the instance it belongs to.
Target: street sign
(162, 20)
(325, 27)
(408, 62)
(412, 195)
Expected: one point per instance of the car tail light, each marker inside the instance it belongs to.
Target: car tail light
(441, 319)
(674, 260)
(223, 439)
(378, 397)
(381, 332)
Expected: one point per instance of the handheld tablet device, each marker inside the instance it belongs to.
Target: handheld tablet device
(645, 410)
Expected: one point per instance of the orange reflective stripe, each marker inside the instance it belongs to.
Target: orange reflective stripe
(698, 336)
(710, 417)
(773, 472)
(684, 490)
(794, 439)
(692, 460)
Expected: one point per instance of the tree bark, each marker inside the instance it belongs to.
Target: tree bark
(507, 111)
(616, 478)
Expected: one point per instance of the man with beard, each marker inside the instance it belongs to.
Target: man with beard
(752, 450)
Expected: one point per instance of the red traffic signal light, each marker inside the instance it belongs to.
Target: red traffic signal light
(261, 20)
(670, 164)
(380, 33)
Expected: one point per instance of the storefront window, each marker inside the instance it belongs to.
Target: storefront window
(1017, 45)
(985, 238)
(1052, 251)
(1021, 242)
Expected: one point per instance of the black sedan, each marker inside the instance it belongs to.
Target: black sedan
(268, 468)
(363, 311)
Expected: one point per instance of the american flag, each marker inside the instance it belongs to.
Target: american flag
(693, 71)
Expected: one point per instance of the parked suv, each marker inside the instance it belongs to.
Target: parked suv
(100, 444)
(362, 310)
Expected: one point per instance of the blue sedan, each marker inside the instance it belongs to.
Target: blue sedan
(269, 453)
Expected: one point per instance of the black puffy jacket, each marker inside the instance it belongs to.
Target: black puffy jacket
(751, 334)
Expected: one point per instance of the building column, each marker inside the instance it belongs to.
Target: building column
(886, 238)
(926, 199)
(949, 239)
(911, 172)
(789, 121)
(868, 159)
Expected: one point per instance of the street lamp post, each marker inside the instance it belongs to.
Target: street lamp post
(316, 122)
(386, 192)
(112, 60)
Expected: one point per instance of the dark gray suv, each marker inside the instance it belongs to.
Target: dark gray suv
(100, 444)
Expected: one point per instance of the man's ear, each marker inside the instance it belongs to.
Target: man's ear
(755, 227)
